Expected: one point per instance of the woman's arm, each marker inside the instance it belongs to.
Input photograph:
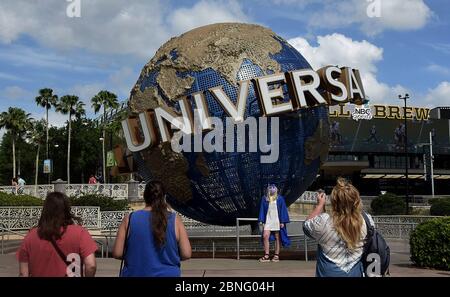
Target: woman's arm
(23, 269)
(90, 266)
(120, 239)
(183, 240)
(319, 208)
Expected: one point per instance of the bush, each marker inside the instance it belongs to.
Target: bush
(104, 202)
(430, 244)
(440, 206)
(388, 204)
(19, 200)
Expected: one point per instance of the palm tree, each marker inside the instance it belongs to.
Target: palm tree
(16, 121)
(71, 105)
(107, 100)
(36, 135)
(46, 99)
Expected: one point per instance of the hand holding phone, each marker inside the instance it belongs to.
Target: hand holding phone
(321, 198)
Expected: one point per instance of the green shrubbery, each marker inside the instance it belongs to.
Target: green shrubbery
(104, 202)
(430, 244)
(440, 206)
(19, 200)
(388, 204)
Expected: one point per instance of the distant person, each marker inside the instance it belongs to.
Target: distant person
(152, 241)
(21, 185)
(273, 214)
(15, 186)
(397, 137)
(373, 134)
(403, 134)
(92, 180)
(49, 249)
(340, 235)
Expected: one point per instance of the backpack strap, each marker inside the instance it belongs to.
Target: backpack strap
(125, 245)
(369, 226)
(64, 257)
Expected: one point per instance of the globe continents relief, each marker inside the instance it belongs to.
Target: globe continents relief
(218, 187)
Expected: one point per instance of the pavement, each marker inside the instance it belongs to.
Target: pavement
(401, 266)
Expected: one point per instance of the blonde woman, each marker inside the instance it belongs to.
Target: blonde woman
(273, 214)
(340, 235)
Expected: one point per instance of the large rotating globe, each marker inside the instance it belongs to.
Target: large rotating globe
(218, 187)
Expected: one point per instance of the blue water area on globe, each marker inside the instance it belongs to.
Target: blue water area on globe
(237, 180)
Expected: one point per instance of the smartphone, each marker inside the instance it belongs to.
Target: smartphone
(320, 191)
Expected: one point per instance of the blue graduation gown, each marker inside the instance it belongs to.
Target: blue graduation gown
(283, 216)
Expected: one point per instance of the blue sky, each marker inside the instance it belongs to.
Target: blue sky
(404, 47)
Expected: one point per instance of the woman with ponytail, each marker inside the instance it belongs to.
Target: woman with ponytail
(152, 241)
(341, 234)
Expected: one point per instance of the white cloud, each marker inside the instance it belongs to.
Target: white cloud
(337, 49)
(122, 81)
(15, 92)
(206, 12)
(438, 69)
(397, 15)
(439, 96)
(109, 26)
(87, 91)
(54, 118)
(8, 76)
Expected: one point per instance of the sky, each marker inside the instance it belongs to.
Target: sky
(400, 46)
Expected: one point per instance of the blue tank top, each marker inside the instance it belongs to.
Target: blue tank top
(144, 258)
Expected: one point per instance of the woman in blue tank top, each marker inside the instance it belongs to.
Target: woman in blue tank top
(154, 239)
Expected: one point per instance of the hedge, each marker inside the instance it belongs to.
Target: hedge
(440, 206)
(105, 203)
(388, 204)
(7, 199)
(430, 244)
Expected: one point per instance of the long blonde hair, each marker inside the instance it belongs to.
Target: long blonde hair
(347, 212)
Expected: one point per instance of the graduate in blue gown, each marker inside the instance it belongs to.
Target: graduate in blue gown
(274, 216)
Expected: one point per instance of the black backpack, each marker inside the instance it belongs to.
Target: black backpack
(375, 244)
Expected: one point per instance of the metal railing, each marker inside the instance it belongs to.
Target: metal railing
(6, 231)
(398, 226)
(39, 191)
(239, 236)
(117, 191)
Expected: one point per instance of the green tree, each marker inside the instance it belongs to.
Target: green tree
(71, 105)
(46, 99)
(16, 121)
(107, 101)
(36, 136)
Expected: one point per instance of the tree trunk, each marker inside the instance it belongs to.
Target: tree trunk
(46, 140)
(46, 131)
(37, 170)
(14, 154)
(103, 144)
(68, 148)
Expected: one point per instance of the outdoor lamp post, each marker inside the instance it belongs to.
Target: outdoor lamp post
(405, 97)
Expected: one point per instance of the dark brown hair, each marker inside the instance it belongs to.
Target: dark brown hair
(155, 197)
(55, 214)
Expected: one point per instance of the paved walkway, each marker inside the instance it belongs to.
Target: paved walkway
(400, 266)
